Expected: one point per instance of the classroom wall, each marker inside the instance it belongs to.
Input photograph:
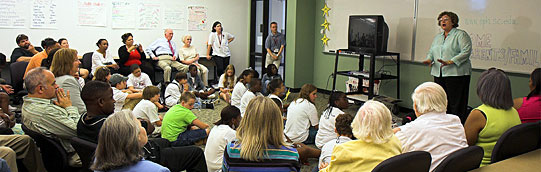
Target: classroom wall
(299, 43)
(412, 73)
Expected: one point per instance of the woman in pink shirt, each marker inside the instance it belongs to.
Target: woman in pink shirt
(529, 107)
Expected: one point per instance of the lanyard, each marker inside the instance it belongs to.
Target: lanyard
(220, 39)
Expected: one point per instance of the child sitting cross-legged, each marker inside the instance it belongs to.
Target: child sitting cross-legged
(180, 126)
(147, 108)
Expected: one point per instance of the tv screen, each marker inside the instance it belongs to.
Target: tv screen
(367, 33)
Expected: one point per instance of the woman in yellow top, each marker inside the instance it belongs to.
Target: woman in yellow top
(488, 122)
(376, 141)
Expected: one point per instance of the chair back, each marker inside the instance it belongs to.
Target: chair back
(86, 150)
(17, 70)
(465, 159)
(416, 161)
(517, 140)
(87, 61)
(55, 157)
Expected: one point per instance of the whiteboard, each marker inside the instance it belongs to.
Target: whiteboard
(398, 15)
(505, 34)
(233, 14)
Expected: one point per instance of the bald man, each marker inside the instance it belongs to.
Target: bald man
(165, 51)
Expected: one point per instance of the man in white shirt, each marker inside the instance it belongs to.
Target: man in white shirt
(164, 50)
(433, 131)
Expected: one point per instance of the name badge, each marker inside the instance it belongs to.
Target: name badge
(276, 50)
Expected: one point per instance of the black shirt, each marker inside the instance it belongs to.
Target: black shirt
(18, 52)
(90, 129)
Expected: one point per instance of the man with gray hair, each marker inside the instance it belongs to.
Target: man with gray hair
(52, 118)
(165, 51)
(434, 130)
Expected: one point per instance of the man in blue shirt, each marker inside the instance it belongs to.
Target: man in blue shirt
(274, 44)
(165, 51)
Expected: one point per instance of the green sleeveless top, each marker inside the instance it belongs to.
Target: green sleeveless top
(498, 121)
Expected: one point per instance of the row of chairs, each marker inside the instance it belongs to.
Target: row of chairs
(517, 140)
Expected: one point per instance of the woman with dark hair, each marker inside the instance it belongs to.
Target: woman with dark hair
(271, 74)
(219, 43)
(449, 57)
(120, 142)
(101, 57)
(529, 107)
(240, 88)
(276, 89)
(302, 119)
(130, 54)
(337, 103)
(488, 122)
(222, 133)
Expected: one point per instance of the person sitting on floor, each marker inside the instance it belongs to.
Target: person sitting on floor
(240, 87)
(98, 98)
(337, 102)
(196, 85)
(102, 74)
(121, 96)
(221, 134)
(255, 90)
(343, 134)
(147, 108)
(271, 74)
(180, 126)
(175, 89)
(227, 82)
(137, 80)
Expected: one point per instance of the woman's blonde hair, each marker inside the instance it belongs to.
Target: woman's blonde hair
(261, 126)
(63, 61)
(306, 89)
(372, 124)
(229, 81)
(118, 144)
(429, 97)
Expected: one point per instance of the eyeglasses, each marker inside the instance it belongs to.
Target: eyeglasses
(444, 19)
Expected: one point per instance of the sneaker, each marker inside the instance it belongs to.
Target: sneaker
(12, 109)
(212, 96)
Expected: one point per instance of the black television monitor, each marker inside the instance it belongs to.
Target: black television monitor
(368, 33)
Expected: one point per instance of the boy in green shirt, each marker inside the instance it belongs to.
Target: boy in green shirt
(180, 126)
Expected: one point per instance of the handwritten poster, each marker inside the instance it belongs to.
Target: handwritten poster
(124, 14)
(12, 14)
(149, 15)
(174, 18)
(92, 13)
(44, 14)
(197, 18)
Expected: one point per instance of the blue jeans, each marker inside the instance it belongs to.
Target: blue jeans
(189, 137)
(312, 132)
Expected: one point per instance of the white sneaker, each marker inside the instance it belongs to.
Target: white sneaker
(212, 96)
(12, 109)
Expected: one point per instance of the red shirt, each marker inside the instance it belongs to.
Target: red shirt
(135, 58)
(530, 111)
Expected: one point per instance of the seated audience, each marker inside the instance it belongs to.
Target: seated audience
(165, 51)
(147, 108)
(118, 83)
(188, 56)
(227, 82)
(376, 141)
(79, 78)
(65, 65)
(255, 89)
(240, 87)
(221, 134)
(276, 90)
(175, 89)
(180, 126)
(119, 145)
(102, 74)
(260, 143)
(343, 134)
(271, 74)
(52, 118)
(49, 44)
(102, 57)
(46, 63)
(138, 80)
(13, 147)
(196, 85)
(64, 44)
(302, 119)
(98, 97)
(488, 122)
(130, 54)
(529, 107)
(337, 103)
(25, 51)
(433, 131)
(5, 90)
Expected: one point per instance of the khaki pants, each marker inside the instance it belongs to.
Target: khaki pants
(14, 147)
(276, 62)
(165, 62)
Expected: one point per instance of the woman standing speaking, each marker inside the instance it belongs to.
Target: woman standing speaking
(449, 57)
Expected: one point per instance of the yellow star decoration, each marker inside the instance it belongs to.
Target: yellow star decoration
(326, 25)
(325, 10)
(325, 39)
